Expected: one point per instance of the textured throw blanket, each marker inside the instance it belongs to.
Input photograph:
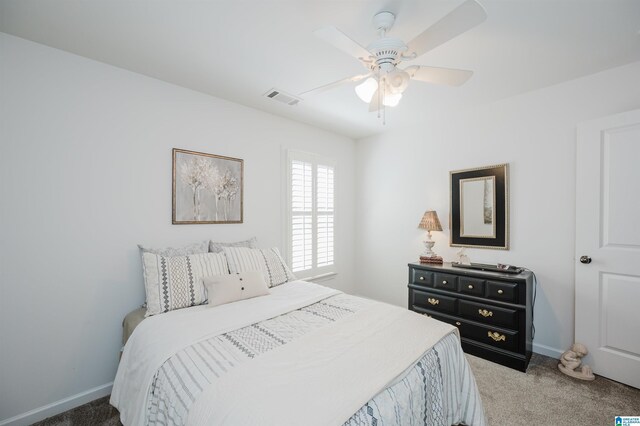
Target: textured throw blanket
(323, 377)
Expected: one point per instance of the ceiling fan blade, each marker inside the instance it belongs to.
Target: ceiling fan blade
(337, 38)
(463, 18)
(374, 105)
(435, 75)
(334, 84)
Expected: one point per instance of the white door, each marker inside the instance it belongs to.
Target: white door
(608, 235)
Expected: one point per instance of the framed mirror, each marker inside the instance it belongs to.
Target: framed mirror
(480, 207)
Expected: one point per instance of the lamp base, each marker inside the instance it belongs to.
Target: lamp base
(433, 260)
(428, 246)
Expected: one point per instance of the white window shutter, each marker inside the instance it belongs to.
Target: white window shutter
(312, 214)
(301, 216)
(324, 236)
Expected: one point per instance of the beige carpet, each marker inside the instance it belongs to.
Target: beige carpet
(545, 396)
(541, 397)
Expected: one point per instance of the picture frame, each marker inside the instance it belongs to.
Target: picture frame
(206, 188)
(479, 213)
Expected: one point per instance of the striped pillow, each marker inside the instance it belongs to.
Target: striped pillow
(267, 261)
(174, 282)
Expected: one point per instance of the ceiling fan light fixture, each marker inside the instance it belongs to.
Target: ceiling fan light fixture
(366, 89)
(392, 99)
(397, 81)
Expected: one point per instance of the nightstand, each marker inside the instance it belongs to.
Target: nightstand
(493, 311)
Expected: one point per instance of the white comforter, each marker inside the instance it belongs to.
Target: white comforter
(322, 377)
(158, 337)
(342, 365)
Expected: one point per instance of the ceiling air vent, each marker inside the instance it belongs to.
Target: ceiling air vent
(280, 96)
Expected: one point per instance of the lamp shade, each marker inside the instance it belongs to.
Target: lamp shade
(397, 81)
(391, 99)
(430, 221)
(366, 90)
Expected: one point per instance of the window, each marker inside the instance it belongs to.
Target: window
(311, 214)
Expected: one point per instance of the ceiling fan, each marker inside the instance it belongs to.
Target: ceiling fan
(385, 81)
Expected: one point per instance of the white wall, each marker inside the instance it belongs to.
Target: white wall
(85, 175)
(401, 174)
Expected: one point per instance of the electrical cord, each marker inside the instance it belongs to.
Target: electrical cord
(533, 302)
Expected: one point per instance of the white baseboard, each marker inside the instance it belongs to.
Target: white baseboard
(58, 407)
(543, 350)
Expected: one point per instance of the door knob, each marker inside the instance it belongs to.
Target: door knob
(585, 259)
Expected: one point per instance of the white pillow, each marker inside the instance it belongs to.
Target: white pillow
(174, 282)
(229, 288)
(268, 261)
(216, 247)
(193, 248)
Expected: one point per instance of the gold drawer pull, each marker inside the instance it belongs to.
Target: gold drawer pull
(497, 336)
(500, 291)
(421, 278)
(433, 301)
(458, 323)
(485, 313)
(470, 287)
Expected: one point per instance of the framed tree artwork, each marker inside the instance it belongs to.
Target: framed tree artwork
(207, 188)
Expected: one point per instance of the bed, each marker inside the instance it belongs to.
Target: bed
(304, 354)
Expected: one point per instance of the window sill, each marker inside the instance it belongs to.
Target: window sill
(320, 277)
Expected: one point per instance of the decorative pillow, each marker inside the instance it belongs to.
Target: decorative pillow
(200, 247)
(267, 261)
(174, 282)
(215, 247)
(233, 287)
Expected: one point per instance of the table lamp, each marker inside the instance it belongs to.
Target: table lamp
(430, 222)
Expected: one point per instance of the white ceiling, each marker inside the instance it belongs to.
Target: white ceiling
(237, 49)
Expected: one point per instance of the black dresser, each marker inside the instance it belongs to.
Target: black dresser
(493, 311)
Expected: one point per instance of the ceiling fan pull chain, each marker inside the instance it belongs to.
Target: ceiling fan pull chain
(379, 91)
(384, 108)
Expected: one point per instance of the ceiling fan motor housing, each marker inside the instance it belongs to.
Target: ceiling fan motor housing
(386, 53)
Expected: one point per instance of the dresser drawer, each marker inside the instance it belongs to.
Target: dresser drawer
(473, 286)
(420, 277)
(488, 314)
(445, 281)
(507, 340)
(434, 302)
(503, 339)
(447, 319)
(507, 292)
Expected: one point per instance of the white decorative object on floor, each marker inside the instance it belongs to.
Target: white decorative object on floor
(570, 363)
